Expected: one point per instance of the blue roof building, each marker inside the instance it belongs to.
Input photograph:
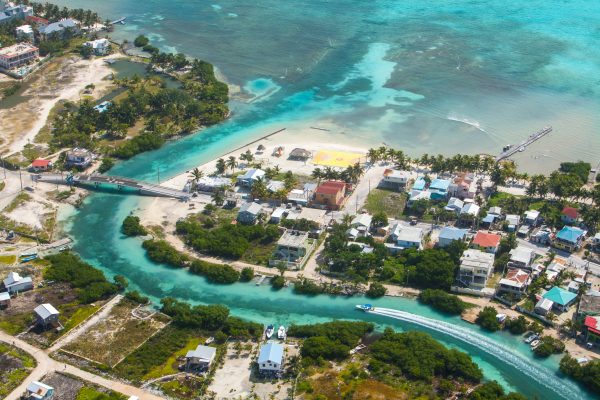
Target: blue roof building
(569, 238)
(562, 298)
(251, 176)
(450, 234)
(439, 189)
(270, 358)
(419, 184)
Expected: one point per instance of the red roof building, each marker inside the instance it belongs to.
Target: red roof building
(39, 164)
(571, 214)
(36, 20)
(330, 195)
(488, 241)
(593, 327)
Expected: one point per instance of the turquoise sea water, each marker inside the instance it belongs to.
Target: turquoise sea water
(424, 76)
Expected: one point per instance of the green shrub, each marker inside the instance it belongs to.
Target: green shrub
(131, 226)
(247, 274)
(277, 282)
(549, 345)
(141, 41)
(376, 290)
(442, 301)
(487, 319)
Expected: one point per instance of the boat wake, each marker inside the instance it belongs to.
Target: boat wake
(474, 124)
(540, 374)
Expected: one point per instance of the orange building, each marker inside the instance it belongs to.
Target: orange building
(330, 195)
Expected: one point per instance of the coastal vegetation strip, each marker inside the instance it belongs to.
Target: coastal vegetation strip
(15, 366)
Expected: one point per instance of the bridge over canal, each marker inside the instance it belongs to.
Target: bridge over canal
(114, 182)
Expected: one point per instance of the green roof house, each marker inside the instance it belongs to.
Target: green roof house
(562, 298)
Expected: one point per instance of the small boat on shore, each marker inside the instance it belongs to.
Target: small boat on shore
(269, 331)
(281, 334)
(535, 343)
(364, 307)
(531, 338)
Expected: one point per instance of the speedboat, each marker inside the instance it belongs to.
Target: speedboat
(269, 331)
(535, 343)
(364, 307)
(281, 332)
(531, 338)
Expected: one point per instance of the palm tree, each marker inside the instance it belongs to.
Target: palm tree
(221, 166)
(231, 163)
(259, 189)
(373, 156)
(218, 197)
(247, 156)
(317, 174)
(197, 174)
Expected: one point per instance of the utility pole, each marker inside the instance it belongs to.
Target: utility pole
(4, 167)
(21, 179)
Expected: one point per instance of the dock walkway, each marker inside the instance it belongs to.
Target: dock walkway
(523, 145)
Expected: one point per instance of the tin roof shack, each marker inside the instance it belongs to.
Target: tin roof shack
(46, 315)
(15, 283)
(200, 359)
(521, 257)
(39, 391)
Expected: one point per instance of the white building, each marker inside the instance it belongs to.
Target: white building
(200, 358)
(100, 47)
(24, 32)
(470, 209)
(515, 282)
(512, 222)
(293, 247)
(532, 217)
(475, 268)
(18, 54)
(16, 283)
(454, 204)
(251, 176)
(521, 257)
(270, 359)
(407, 236)
(394, 179)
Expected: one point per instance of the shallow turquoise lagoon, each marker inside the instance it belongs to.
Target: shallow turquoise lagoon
(425, 76)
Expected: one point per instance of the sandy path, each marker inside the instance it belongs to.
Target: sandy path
(46, 365)
(63, 79)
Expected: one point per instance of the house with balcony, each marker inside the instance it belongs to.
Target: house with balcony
(394, 179)
(439, 189)
(561, 298)
(475, 269)
(100, 47)
(515, 282)
(569, 215)
(17, 55)
(79, 158)
(569, 238)
(200, 358)
(521, 257)
(406, 236)
(293, 249)
(270, 359)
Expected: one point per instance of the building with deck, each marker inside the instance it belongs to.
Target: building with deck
(270, 359)
(39, 391)
(15, 283)
(17, 55)
(293, 249)
(79, 158)
(562, 298)
(100, 47)
(406, 236)
(394, 179)
(46, 314)
(475, 269)
(249, 213)
(569, 238)
(521, 257)
(250, 176)
(515, 282)
(449, 234)
(200, 359)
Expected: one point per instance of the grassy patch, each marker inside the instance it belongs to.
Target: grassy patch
(81, 314)
(114, 337)
(15, 324)
(153, 354)
(2, 185)
(259, 254)
(88, 393)
(15, 365)
(170, 366)
(9, 259)
(387, 201)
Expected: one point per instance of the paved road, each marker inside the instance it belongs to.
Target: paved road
(46, 365)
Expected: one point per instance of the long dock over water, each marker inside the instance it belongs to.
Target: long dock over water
(523, 145)
(114, 182)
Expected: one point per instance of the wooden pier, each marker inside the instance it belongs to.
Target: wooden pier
(523, 145)
(118, 21)
(115, 182)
